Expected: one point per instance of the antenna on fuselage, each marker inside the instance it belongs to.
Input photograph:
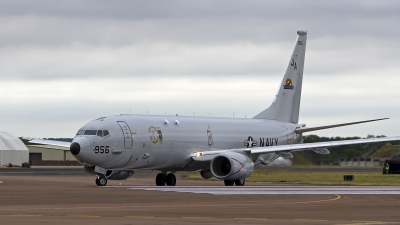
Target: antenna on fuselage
(233, 114)
(147, 113)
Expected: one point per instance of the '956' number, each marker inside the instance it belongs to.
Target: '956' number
(101, 149)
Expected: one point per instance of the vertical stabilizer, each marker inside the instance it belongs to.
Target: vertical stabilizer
(286, 105)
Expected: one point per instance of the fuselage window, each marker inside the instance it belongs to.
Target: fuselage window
(80, 132)
(105, 132)
(90, 132)
(100, 133)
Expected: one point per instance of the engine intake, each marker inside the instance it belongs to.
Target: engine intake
(232, 166)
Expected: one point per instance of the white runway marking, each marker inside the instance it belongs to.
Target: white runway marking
(274, 190)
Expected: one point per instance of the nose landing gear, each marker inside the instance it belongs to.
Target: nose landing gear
(101, 180)
(162, 179)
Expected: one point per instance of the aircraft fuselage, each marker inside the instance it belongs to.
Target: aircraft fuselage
(166, 142)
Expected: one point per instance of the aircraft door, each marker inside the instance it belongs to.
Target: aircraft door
(126, 132)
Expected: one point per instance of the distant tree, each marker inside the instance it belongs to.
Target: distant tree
(339, 151)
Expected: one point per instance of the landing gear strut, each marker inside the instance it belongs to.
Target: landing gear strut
(234, 182)
(162, 179)
(101, 180)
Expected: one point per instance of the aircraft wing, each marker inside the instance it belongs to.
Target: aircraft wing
(51, 142)
(308, 129)
(209, 155)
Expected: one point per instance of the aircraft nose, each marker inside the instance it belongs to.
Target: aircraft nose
(75, 148)
(79, 148)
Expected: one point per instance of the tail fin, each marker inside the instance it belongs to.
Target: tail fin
(286, 105)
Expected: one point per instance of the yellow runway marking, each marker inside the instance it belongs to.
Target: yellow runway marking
(141, 217)
(311, 220)
(250, 219)
(369, 223)
(326, 200)
(195, 217)
(23, 215)
(90, 216)
(158, 206)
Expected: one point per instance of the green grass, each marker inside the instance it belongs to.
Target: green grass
(384, 152)
(317, 178)
(299, 160)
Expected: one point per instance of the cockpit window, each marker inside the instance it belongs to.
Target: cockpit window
(105, 133)
(100, 133)
(80, 132)
(90, 132)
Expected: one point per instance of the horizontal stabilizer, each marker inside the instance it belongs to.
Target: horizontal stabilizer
(302, 130)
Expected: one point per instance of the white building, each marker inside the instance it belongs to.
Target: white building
(12, 150)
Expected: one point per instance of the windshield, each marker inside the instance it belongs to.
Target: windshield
(100, 133)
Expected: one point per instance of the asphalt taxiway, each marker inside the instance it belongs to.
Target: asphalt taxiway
(64, 198)
(274, 190)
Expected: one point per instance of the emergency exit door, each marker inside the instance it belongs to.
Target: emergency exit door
(126, 132)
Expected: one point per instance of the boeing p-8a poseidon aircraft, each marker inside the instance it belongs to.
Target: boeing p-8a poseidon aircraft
(113, 147)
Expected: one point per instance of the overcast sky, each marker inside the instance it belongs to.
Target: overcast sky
(64, 63)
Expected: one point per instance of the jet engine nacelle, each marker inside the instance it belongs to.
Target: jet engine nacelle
(231, 166)
(119, 174)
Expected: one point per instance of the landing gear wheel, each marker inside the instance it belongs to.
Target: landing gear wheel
(229, 182)
(101, 181)
(160, 180)
(240, 182)
(170, 179)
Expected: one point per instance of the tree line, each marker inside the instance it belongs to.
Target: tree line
(345, 151)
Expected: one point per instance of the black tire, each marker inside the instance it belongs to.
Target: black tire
(229, 182)
(160, 180)
(101, 181)
(170, 179)
(240, 182)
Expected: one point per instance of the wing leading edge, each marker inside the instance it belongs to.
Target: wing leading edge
(51, 142)
(208, 155)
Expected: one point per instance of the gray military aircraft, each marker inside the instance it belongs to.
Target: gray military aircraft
(229, 149)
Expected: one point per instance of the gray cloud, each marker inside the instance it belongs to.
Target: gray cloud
(53, 53)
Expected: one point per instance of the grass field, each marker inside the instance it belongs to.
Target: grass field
(385, 152)
(317, 178)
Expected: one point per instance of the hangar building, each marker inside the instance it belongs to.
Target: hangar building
(46, 155)
(12, 150)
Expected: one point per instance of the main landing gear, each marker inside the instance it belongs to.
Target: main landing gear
(101, 180)
(234, 182)
(162, 179)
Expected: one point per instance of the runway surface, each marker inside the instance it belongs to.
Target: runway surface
(59, 196)
(274, 190)
(76, 170)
